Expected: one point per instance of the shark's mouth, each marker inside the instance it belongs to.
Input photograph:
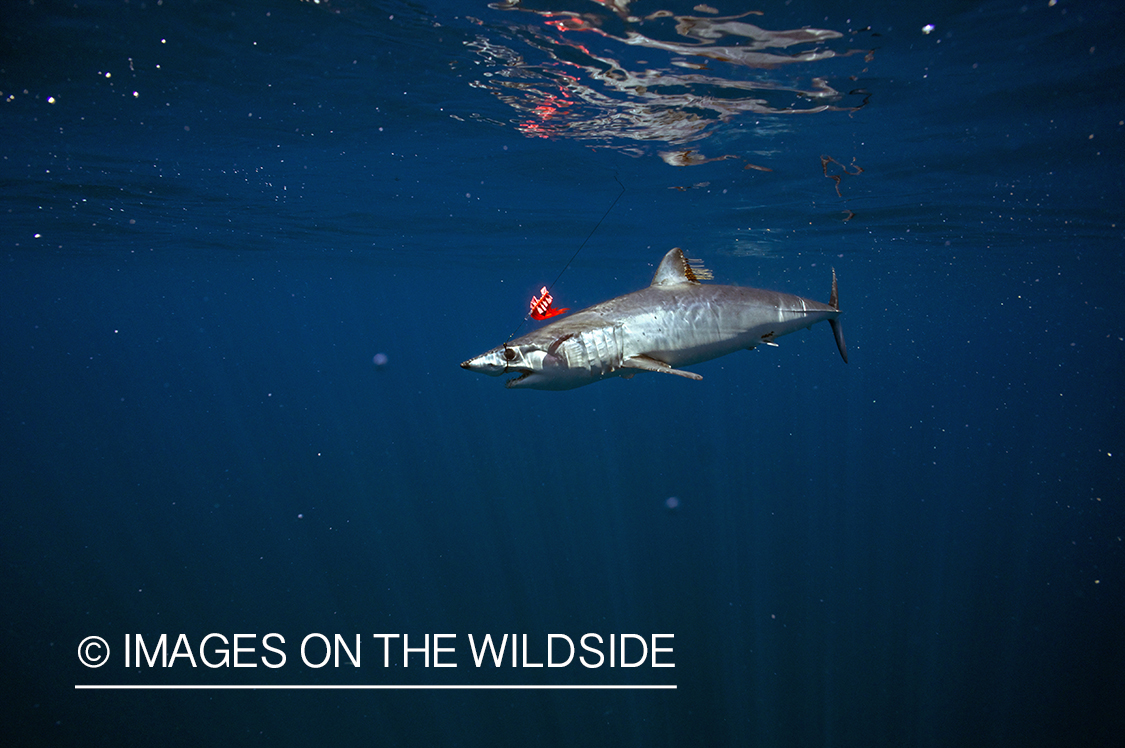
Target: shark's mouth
(511, 382)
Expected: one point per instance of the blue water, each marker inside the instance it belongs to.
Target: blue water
(215, 215)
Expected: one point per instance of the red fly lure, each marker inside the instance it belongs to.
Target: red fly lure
(541, 306)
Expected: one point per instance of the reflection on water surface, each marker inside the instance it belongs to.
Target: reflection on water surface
(601, 74)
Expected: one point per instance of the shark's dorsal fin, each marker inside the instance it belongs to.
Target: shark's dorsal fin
(675, 269)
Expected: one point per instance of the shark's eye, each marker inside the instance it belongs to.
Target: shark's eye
(509, 354)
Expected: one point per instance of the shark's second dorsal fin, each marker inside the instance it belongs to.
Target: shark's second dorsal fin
(675, 269)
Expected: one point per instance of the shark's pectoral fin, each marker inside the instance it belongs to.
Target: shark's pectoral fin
(651, 364)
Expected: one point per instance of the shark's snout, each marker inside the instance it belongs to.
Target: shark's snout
(492, 363)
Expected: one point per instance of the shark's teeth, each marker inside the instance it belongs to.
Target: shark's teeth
(513, 380)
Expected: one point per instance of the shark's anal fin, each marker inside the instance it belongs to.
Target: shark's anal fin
(651, 364)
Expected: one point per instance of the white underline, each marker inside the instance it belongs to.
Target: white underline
(381, 687)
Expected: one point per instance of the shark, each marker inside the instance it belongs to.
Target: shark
(676, 321)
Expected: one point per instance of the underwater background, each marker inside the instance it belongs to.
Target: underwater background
(246, 245)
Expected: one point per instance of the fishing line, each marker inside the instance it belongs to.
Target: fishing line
(575, 255)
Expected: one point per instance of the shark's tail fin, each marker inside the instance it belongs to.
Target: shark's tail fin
(834, 302)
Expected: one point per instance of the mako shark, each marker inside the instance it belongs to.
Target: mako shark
(676, 321)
